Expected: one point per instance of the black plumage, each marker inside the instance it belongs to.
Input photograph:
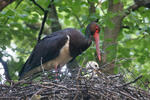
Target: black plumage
(49, 48)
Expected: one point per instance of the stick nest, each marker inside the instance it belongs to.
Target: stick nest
(77, 87)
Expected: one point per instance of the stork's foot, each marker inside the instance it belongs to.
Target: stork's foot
(56, 78)
(56, 81)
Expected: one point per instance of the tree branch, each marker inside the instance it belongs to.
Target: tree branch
(136, 5)
(4, 3)
(43, 24)
(19, 2)
(15, 8)
(6, 71)
(79, 21)
(136, 79)
(38, 5)
(129, 9)
(44, 18)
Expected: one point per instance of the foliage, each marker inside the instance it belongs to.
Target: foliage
(17, 27)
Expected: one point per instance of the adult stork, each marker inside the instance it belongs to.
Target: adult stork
(59, 48)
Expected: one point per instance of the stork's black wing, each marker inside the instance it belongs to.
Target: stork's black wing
(47, 49)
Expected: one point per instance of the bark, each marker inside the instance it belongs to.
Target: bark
(110, 36)
(92, 8)
(5, 3)
(145, 3)
(55, 25)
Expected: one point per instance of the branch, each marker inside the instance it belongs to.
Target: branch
(132, 81)
(19, 2)
(5, 3)
(131, 8)
(6, 71)
(79, 21)
(44, 19)
(43, 23)
(136, 5)
(38, 5)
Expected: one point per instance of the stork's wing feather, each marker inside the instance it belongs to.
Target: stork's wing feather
(47, 49)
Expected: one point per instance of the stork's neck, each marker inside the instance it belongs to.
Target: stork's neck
(88, 37)
(87, 33)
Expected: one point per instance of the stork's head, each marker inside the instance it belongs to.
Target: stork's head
(92, 65)
(92, 31)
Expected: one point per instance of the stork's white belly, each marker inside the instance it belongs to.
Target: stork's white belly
(63, 58)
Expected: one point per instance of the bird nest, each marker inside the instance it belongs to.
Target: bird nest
(77, 87)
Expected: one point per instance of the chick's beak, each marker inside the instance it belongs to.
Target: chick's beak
(96, 37)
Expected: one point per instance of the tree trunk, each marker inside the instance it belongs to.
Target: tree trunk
(4, 3)
(110, 36)
(55, 25)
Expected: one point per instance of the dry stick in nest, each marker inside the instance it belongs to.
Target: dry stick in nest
(132, 81)
(127, 95)
(42, 64)
(50, 86)
(124, 85)
(77, 78)
(35, 96)
(55, 85)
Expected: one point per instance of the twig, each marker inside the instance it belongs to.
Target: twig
(79, 21)
(132, 81)
(53, 84)
(43, 24)
(77, 78)
(118, 60)
(44, 18)
(133, 76)
(128, 95)
(19, 2)
(131, 8)
(42, 64)
(38, 5)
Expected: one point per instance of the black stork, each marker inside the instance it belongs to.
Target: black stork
(59, 48)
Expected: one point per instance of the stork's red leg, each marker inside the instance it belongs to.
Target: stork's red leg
(56, 71)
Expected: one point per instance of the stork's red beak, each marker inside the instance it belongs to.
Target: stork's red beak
(96, 37)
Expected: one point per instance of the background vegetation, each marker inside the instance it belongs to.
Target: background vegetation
(125, 32)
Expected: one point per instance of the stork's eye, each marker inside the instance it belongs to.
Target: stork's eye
(97, 29)
(96, 66)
